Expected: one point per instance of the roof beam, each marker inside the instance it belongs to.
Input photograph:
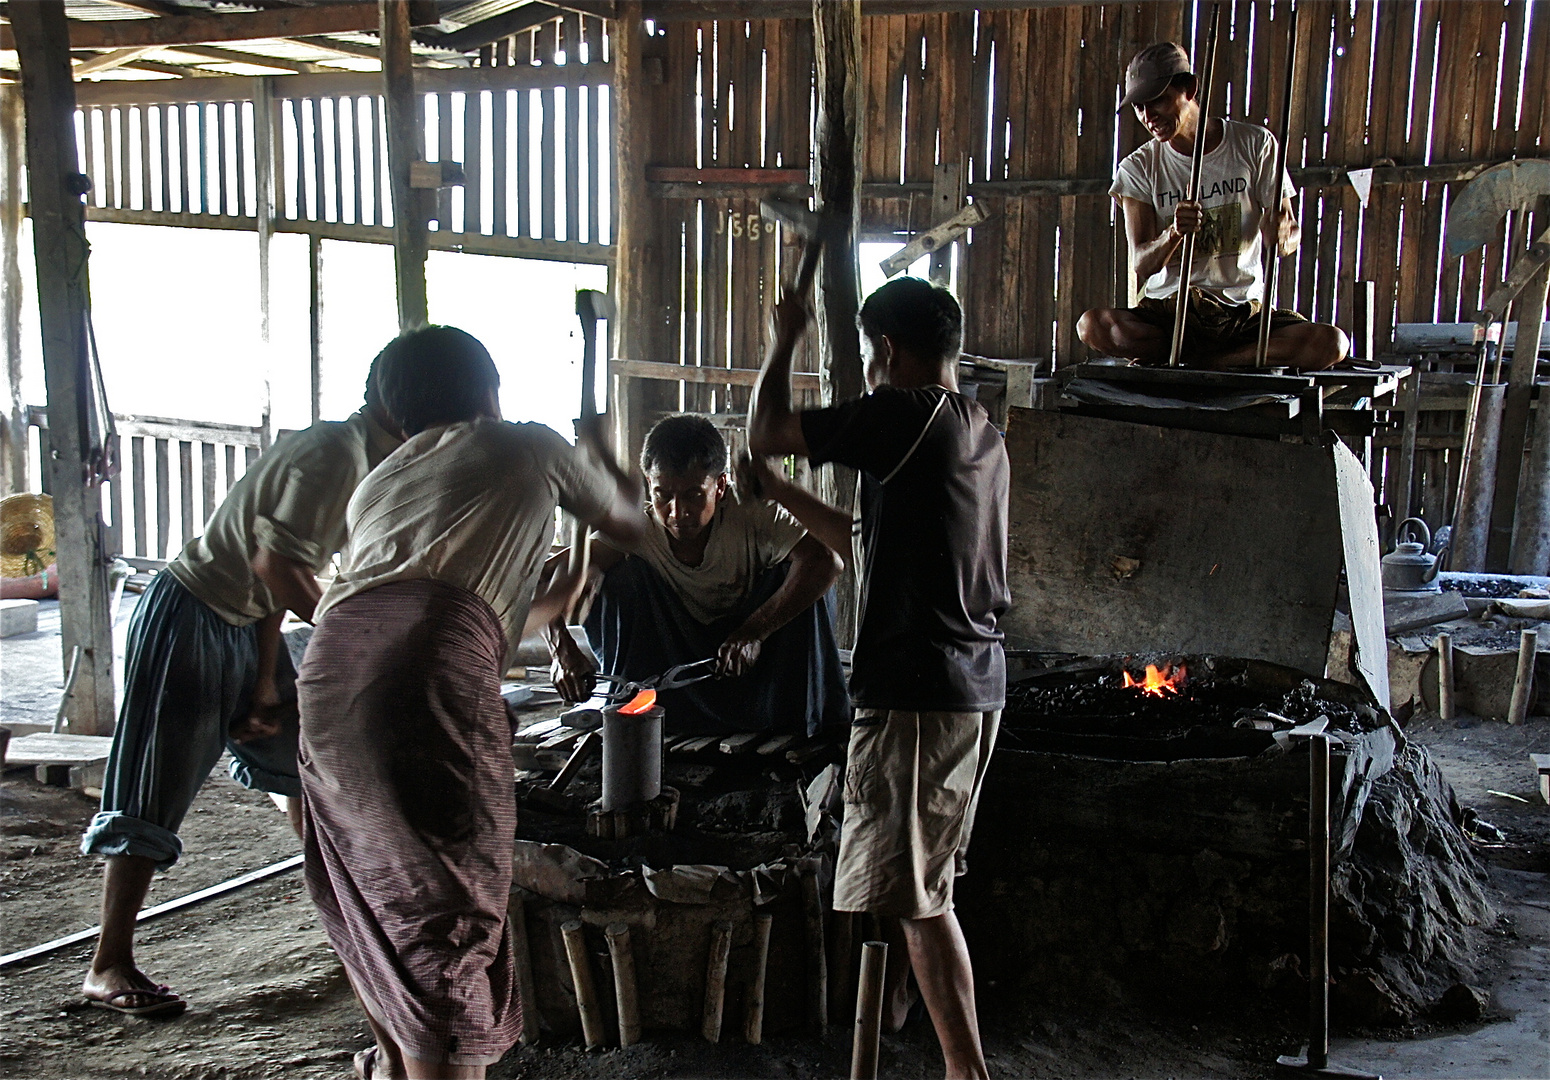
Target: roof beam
(700, 10)
(233, 56)
(108, 61)
(478, 35)
(332, 18)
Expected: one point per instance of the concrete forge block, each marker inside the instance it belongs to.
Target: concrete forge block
(18, 617)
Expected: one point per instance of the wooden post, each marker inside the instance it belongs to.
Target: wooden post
(1472, 518)
(636, 278)
(948, 187)
(869, 1011)
(1445, 703)
(315, 322)
(837, 190)
(405, 145)
(522, 954)
(581, 979)
(625, 995)
(716, 980)
(12, 161)
(1523, 683)
(263, 167)
(55, 187)
(753, 1022)
(1530, 552)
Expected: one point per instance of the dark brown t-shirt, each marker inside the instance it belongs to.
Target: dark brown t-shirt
(934, 482)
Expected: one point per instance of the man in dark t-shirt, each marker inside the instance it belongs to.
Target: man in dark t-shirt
(928, 675)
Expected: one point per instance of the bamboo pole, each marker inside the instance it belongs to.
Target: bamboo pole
(522, 955)
(817, 961)
(405, 145)
(12, 142)
(582, 981)
(869, 1011)
(1187, 260)
(618, 935)
(716, 980)
(1523, 683)
(1445, 705)
(753, 1022)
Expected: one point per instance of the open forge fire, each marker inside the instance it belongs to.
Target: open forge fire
(1159, 682)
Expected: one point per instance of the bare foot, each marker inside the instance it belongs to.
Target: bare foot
(128, 989)
(900, 1002)
(372, 1064)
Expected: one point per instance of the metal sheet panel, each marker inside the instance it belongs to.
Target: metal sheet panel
(1133, 538)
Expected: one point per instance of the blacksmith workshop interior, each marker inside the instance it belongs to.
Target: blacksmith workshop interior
(928, 640)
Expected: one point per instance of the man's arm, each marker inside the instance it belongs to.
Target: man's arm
(291, 583)
(1152, 247)
(263, 719)
(830, 525)
(774, 428)
(813, 569)
(1282, 229)
(570, 668)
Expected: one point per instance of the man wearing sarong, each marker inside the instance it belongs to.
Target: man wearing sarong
(409, 809)
(1243, 206)
(928, 676)
(206, 672)
(720, 573)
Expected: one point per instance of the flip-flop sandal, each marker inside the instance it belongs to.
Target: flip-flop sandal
(366, 1063)
(166, 1003)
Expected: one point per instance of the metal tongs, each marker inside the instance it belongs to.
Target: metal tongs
(674, 678)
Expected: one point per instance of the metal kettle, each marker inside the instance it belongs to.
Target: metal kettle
(1408, 568)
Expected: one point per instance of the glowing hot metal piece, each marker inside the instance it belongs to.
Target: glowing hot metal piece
(640, 703)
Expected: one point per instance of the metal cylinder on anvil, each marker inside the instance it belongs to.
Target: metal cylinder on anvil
(632, 756)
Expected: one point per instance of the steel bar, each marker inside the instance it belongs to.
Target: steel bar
(1273, 249)
(1202, 128)
(159, 910)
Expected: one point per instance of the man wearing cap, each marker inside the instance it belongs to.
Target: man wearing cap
(1231, 221)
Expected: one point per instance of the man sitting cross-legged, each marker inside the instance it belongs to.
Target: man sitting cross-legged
(720, 573)
(1242, 207)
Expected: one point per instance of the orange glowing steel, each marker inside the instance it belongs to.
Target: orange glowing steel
(1159, 682)
(639, 703)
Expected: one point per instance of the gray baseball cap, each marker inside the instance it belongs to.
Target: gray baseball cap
(1151, 70)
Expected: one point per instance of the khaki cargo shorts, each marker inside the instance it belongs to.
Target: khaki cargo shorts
(912, 783)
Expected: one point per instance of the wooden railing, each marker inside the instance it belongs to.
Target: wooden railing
(138, 503)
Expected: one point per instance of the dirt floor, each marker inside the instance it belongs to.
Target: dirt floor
(267, 997)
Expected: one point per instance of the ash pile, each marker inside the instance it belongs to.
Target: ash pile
(1143, 834)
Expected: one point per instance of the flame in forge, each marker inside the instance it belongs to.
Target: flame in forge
(1165, 681)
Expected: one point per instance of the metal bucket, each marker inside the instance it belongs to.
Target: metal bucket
(632, 758)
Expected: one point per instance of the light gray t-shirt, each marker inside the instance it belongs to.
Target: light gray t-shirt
(469, 504)
(1237, 185)
(747, 537)
(292, 502)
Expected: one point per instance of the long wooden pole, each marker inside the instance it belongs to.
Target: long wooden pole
(1273, 249)
(55, 187)
(1187, 259)
(405, 145)
(869, 1011)
(1530, 552)
(263, 176)
(634, 273)
(837, 156)
(12, 161)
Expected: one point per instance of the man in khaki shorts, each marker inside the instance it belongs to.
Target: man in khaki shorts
(928, 675)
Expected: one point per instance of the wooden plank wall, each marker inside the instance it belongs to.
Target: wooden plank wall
(733, 94)
(537, 159)
(1030, 96)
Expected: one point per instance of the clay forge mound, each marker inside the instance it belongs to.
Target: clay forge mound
(1152, 844)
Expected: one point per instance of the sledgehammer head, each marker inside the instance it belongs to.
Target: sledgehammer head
(593, 305)
(1475, 216)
